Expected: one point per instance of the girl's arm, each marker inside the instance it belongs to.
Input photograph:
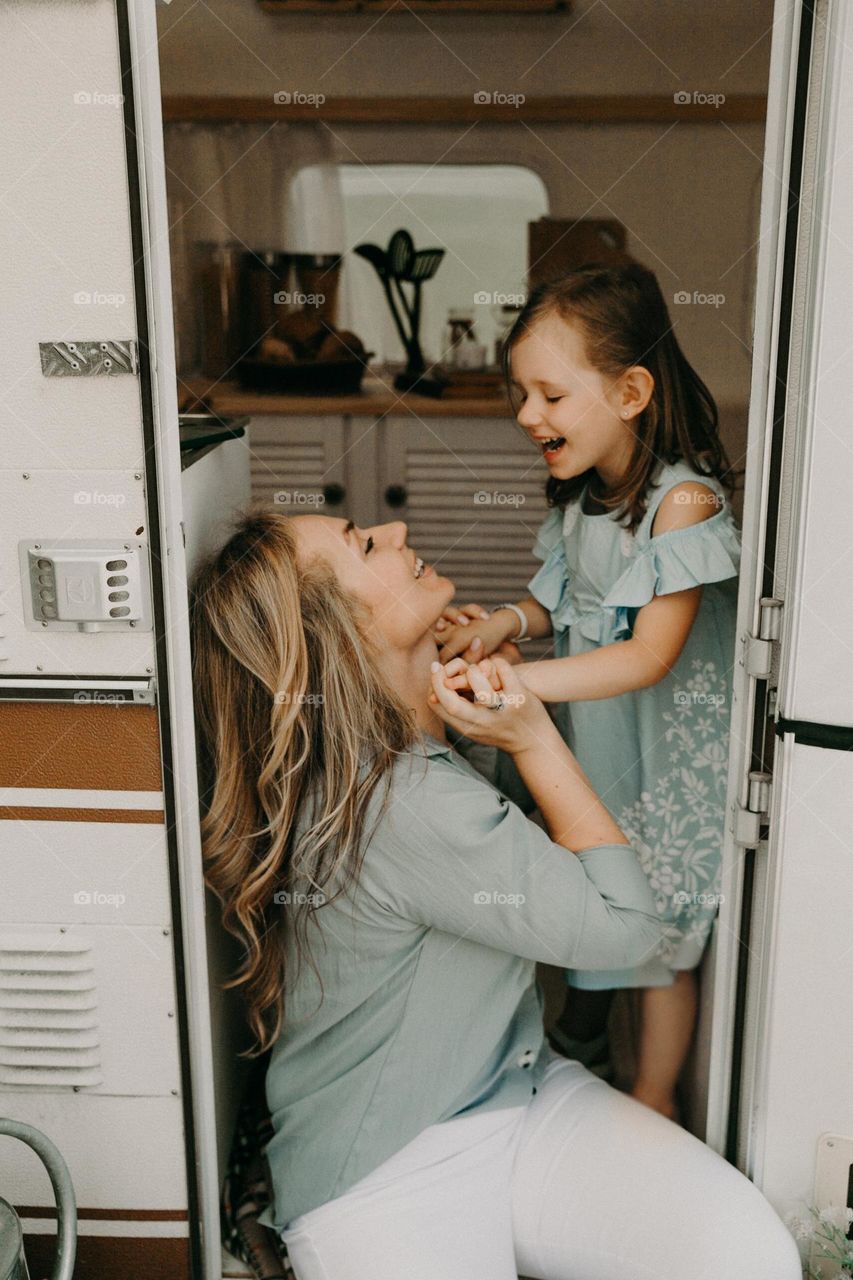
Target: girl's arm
(660, 633)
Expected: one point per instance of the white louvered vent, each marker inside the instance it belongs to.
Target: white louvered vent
(296, 468)
(475, 515)
(49, 1033)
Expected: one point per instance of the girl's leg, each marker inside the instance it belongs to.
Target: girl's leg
(667, 1020)
(580, 1032)
(604, 1188)
(440, 1209)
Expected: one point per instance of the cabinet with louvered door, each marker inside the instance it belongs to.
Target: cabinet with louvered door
(472, 494)
(300, 464)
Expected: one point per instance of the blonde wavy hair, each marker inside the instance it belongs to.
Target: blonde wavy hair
(294, 721)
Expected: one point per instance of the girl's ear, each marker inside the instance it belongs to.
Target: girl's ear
(636, 387)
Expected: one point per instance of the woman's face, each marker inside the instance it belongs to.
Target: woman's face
(404, 595)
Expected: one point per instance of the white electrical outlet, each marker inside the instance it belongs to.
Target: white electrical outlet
(79, 584)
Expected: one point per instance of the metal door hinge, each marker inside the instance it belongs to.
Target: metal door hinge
(750, 818)
(758, 650)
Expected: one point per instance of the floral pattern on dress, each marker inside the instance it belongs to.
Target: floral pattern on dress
(676, 829)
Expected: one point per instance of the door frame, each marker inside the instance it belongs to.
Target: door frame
(139, 52)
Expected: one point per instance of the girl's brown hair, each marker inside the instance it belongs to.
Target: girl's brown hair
(623, 320)
(294, 721)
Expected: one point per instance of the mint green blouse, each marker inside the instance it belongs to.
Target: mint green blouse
(430, 1007)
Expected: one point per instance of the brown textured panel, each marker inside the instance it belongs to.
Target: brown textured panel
(34, 813)
(106, 1215)
(115, 1257)
(91, 746)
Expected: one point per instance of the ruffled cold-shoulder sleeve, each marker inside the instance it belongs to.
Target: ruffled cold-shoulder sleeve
(677, 560)
(550, 586)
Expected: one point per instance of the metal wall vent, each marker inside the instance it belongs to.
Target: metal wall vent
(49, 1033)
(78, 584)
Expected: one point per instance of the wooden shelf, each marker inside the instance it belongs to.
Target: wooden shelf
(422, 6)
(375, 398)
(741, 108)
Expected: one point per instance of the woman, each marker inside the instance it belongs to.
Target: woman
(392, 905)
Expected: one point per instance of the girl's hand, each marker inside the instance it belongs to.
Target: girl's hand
(459, 617)
(476, 640)
(490, 704)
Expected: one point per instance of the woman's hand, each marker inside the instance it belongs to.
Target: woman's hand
(488, 703)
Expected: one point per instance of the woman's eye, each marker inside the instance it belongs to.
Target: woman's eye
(553, 399)
(369, 546)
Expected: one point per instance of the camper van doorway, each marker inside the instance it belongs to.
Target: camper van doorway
(278, 174)
(331, 218)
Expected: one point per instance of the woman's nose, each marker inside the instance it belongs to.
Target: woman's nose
(395, 532)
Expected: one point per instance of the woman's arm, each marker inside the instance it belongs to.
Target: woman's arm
(574, 815)
(479, 870)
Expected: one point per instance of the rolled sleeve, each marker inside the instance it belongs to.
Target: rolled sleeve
(459, 857)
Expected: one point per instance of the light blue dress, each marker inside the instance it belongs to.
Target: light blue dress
(657, 756)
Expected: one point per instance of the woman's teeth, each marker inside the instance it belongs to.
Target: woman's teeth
(552, 445)
(419, 566)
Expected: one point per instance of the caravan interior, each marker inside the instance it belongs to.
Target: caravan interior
(189, 325)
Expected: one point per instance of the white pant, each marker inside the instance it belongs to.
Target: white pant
(583, 1183)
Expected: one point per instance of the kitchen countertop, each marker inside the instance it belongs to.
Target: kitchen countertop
(375, 397)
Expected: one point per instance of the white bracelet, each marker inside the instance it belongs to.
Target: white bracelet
(522, 618)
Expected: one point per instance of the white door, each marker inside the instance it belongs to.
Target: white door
(780, 1100)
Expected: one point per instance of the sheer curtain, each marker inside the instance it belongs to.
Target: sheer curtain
(255, 187)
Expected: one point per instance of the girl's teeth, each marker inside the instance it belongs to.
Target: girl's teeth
(419, 567)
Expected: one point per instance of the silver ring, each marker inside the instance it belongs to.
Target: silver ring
(496, 706)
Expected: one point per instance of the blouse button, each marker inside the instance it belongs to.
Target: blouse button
(527, 1058)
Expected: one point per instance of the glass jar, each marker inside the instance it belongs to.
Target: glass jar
(461, 348)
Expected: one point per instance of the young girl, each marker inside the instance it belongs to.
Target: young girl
(638, 587)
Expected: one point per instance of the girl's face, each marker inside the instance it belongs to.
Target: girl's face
(577, 417)
(405, 596)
